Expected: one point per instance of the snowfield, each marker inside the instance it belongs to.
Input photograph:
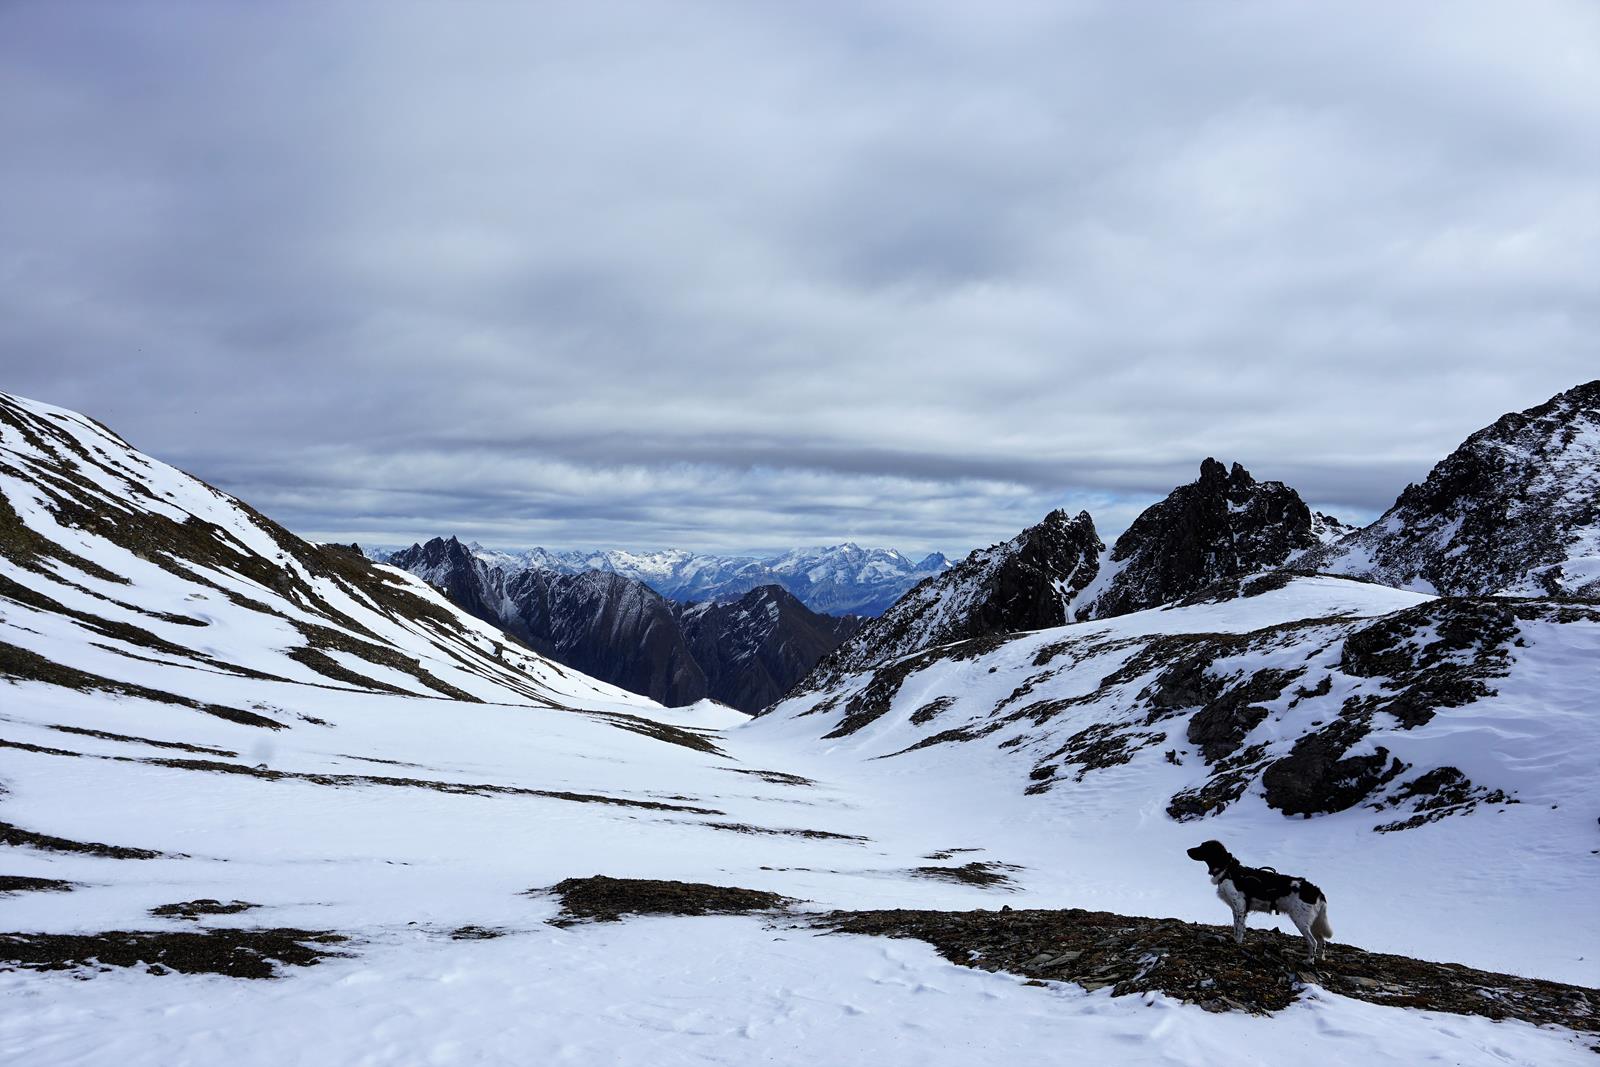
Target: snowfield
(285, 726)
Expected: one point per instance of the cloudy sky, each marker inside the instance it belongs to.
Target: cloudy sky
(743, 276)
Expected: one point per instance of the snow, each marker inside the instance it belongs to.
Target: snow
(580, 786)
(838, 579)
(670, 992)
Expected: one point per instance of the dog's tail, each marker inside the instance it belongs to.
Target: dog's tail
(1319, 925)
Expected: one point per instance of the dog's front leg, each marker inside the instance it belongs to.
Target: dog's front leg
(1238, 925)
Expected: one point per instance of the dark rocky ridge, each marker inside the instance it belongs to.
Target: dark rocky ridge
(1025, 583)
(1515, 509)
(753, 650)
(745, 654)
(1222, 525)
(603, 624)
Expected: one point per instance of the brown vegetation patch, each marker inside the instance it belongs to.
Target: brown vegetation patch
(475, 933)
(24, 665)
(21, 883)
(771, 777)
(225, 951)
(603, 899)
(985, 874)
(660, 731)
(17, 837)
(780, 831)
(193, 909)
(105, 735)
(471, 789)
(1201, 964)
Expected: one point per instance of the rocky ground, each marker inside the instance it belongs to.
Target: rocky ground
(1190, 962)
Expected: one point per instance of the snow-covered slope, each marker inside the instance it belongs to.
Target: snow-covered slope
(843, 579)
(1025, 583)
(1401, 726)
(197, 706)
(120, 571)
(1515, 509)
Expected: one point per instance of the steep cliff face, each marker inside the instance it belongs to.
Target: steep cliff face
(755, 649)
(1222, 525)
(1025, 583)
(1515, 509)
(608, 626)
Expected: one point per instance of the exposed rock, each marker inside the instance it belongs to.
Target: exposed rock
(1515, 509)
(222, 950)
(1223, 525)
(1220, 727)
(1316, 777)
(1025, 583)
(613, 628)
(1201, 965)
(604, 899)
(755, 649)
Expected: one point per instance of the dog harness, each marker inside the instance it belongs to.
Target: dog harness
(1267, 886)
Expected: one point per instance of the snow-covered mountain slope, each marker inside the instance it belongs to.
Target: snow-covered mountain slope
(1222, 525)
(1025, 583)
(850, 580)
(1367, 710)
(426, 828)
(599, 622)
(843, 579)
(754, 649)
(1515, 509)
(120, 573)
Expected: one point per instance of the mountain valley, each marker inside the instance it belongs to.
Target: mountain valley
(956, 826)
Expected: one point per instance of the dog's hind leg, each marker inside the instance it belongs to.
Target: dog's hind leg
(1307, 927)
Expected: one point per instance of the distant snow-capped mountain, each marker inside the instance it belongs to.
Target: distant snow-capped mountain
(1026, 583)
(844, 579)
(1514, 510)
(745, 652)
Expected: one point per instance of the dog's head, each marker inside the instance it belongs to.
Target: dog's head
(1212, 854)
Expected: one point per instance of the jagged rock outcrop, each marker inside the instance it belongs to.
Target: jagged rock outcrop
(756, 648)
(746, 654)
(1354, 700)
(1026, 583)
(1222, 525)
(1514, 510)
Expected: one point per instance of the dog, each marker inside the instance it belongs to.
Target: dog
(1246, 889)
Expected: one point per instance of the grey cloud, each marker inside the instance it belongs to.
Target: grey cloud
(736, 277)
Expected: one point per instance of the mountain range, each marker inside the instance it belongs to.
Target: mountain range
(227, 753)
(745, 653)
(843, 579)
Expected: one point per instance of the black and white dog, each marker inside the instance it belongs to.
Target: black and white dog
(1246, 889)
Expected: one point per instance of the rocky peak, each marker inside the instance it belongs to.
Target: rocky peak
(1025, 583)
(1515, 509)
(1222, 525)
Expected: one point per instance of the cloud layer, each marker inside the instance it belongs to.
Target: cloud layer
(740, 276)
